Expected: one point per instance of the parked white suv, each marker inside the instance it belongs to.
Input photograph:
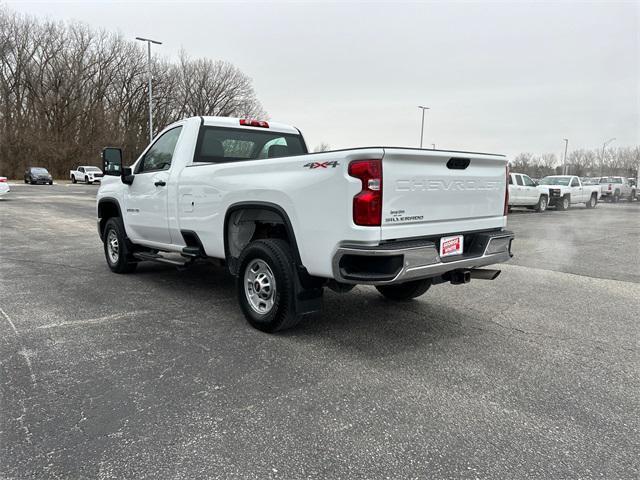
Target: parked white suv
(288, 223)
(524, 192)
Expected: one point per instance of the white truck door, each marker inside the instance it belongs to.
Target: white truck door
(577, 192)
(531, 190)
(521, 197)
(146, 200)
(80, 174)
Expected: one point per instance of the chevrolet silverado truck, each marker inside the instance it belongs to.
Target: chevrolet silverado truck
(524, 192)
(567, 190)
(616, 188)
(287, 223)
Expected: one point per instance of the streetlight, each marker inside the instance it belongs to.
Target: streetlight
(149, 42)
(604, 145)
(422, 128)
(564, 161)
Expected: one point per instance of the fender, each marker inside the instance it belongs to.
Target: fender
(107, 201)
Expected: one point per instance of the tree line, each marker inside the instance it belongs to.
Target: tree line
(582, 162)
(66, 91)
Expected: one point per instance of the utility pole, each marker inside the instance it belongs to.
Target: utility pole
(422, 127)
(564, 161)
(149, 42)
(604, 145)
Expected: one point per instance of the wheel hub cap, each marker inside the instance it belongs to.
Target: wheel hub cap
(113, 247)
(259, 286)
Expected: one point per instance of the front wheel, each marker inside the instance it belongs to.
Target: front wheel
(115, 247)
(593, 201)
(73, 179)
(266, 290)
(563, 203)
(405, 291)
(542, 204)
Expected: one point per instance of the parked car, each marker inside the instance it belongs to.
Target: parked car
(85, 174)
(616, 188)
(567, 190)
(288, 223)
(524, 192)
(35, 175)
(4, 186)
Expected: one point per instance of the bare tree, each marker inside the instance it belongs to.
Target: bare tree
(322, 147)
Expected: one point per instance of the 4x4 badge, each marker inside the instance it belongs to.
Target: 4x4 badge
(312, 165)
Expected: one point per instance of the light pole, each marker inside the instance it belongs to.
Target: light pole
(564, 161)
(604, 145)
(149, 42)
(422, 127)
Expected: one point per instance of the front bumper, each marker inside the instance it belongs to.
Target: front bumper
(402, 261)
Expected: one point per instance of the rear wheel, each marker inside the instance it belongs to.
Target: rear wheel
(542, 204)
(593, 201)
(616, 196)
(564, 203)
(405, 291)
(632, 197)
(266, 289)
(116, 250)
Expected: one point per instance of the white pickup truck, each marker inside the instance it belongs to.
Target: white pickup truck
(85, 173)
(616, 188)
(524, 192)
(567, 190)
(288, 223)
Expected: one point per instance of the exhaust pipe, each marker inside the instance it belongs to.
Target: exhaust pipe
(484, 274)
(458, 277)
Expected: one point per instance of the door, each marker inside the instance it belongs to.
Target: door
(518, 188)
(577, 192)
(530, 190)
(146, 199)
(80, 174)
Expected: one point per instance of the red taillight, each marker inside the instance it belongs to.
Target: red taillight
(253, 123)
(3, 180)
(506, 192)
(367, 205)
(609, 186)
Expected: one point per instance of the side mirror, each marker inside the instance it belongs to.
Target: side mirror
(112, 161)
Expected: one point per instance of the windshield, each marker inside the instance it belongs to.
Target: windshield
(564, 181)
(39, 170)
(218, 144)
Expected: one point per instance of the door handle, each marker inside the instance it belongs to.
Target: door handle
(160, 183)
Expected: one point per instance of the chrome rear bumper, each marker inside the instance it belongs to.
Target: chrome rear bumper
(402, 261)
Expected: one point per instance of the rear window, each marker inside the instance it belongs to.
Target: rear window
(217, 144)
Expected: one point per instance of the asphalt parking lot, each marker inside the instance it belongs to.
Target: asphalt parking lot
(157, 374)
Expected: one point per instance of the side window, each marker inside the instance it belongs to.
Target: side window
(519, 179)
(574, 182)
(159, 156)
(81, 169)
(527, 181)
(510, 179)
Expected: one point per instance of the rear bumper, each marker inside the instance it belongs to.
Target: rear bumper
(398, 262)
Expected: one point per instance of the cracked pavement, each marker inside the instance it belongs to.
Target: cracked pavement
(157, 374)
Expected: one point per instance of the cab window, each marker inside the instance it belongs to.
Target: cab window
(575, 183)
(159, 156)
(519, 179)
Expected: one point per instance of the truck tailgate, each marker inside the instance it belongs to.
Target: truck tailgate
(429, 193)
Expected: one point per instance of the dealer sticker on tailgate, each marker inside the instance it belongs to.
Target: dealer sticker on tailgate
(451, 245)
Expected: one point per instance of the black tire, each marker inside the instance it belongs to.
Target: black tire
(593, 201)
(405, 291)
(73, 179)
(542, 204)
(616, 197)
(281, 314)
(26, 181)
(51, 182)
(32, 182)
(632, 197)
(86, 180)
(124, 263)
(563, 203)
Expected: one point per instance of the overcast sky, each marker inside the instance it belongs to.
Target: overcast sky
(503, 77)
